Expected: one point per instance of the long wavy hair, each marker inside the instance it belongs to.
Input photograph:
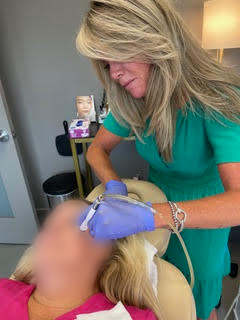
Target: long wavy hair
(124, 276)
(181, 70)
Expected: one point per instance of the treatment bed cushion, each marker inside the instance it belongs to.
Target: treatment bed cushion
(146, 192)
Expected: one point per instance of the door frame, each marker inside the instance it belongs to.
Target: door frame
(21, 228)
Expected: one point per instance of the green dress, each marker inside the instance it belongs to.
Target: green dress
(200, 144)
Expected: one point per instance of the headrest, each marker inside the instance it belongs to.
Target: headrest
(143, 191)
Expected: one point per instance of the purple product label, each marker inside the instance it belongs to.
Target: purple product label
(79, 133)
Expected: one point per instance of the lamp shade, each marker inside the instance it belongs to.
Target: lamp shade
(221, 24)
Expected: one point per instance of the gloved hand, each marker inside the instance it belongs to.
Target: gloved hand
(116, 219)
(116, 187)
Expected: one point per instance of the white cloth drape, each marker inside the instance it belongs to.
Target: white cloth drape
(119, 312)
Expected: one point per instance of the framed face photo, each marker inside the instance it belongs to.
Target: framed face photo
(86, 108)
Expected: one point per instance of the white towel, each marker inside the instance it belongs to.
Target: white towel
(119, 312)
(152, 268)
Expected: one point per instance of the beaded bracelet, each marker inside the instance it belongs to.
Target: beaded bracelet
(176, 212)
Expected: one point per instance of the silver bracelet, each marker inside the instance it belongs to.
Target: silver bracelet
(179, 216)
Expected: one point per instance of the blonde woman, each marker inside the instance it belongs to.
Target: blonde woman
(183, 108)
(67, 274)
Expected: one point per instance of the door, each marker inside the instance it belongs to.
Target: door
(17, 215)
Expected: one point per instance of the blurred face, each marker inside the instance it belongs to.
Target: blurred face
(84, 105)
(132, 76)
(64, 257)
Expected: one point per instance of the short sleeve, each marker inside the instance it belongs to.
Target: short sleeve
(113, 126)
(224, 137)
(141, 314)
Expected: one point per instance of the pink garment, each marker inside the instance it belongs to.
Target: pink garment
(14, 298)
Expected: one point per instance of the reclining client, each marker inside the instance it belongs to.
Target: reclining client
(66, 274)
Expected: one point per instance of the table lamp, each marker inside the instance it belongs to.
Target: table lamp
(221, 25)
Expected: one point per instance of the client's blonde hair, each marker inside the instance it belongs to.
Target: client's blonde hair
(124, 277)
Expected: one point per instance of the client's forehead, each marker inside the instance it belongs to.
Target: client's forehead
(69, 204)
(69, 208)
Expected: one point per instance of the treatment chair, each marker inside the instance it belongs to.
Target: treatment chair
(174, 293)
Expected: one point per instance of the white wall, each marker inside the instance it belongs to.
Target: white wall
(42, 72)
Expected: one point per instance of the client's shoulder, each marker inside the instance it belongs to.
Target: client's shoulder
(11, 284)
(140, 314)
(11, 287)
(13, 299)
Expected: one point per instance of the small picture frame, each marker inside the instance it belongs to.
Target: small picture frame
(86, 108)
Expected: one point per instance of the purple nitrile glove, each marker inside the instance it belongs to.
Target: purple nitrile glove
(116, 187)
(116, 219)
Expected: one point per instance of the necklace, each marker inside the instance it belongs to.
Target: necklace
(40, 300)
(40, 308)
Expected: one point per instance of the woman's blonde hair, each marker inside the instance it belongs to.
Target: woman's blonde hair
(124, 277)
(181, 70)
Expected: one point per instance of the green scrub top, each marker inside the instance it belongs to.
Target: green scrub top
(200, 144)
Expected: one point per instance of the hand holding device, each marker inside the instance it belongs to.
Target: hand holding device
(112, 218)
(116, 187)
